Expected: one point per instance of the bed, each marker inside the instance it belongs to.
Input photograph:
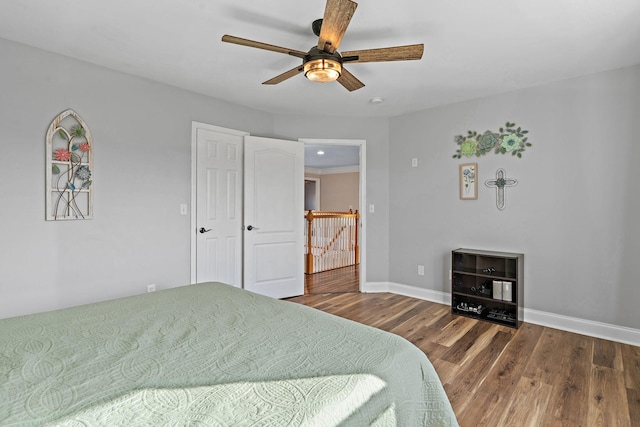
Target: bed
(211, 355)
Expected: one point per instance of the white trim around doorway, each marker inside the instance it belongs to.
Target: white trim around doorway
(362, 200)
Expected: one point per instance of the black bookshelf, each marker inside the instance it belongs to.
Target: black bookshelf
(488, 285)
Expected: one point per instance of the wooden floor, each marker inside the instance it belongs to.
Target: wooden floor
(498, 376)
(333, 281)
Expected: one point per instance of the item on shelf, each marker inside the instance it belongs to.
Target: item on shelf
(470, 308)
(502, 315)
(497, 289)
(489, 270)
(507, 291)
(484, 289)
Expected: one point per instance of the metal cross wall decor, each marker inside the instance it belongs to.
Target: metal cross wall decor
(500, 183)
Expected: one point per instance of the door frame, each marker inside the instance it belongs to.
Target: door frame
(362, 196)
(316, 182)
(194, 158)
(362, 199)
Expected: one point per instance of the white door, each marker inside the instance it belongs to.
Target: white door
(273, 217)
(218, 205)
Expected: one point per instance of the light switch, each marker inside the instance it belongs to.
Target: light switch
(414, 162)
(183, 209)
(371, 208)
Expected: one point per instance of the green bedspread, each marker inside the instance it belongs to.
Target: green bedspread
(211, 355)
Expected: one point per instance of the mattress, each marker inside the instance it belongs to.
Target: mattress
(213, 355)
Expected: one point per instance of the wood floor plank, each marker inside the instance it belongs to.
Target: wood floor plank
(408, 311)
(374, 316)
(633, 399)
(443, 321)
(476, 339)
(526, 338)
(495, 392)
(405, 310)
(528, 404)
(447, 371)
(464, 389)
(430, 315)
(571, 389)
(618, 363)
(480, 345)
(631, 360)
(546, 363)
(523, 343)
(608, 405)
(474, 372)
(421, 338)
(364, 309)
(454, 330)
(604, 354)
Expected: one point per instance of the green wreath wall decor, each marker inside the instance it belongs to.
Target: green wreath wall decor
(508, 139)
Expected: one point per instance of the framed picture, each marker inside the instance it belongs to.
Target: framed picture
(469, 181)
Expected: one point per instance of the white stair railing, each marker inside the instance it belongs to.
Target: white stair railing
(331, 240)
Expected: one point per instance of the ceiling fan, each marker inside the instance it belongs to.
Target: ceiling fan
(323, 63)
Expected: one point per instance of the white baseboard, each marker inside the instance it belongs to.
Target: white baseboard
(409, 291)
(570, 324)
(591, 328)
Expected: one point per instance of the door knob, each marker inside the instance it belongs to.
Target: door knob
(203, 230)
(251, 227)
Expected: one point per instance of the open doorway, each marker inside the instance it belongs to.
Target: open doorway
(336, 171)
(311, 193)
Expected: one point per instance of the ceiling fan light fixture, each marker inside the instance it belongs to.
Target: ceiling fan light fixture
(322, 70)
(323, 63)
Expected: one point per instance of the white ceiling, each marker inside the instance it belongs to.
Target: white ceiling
(472, 48)
(333, 156)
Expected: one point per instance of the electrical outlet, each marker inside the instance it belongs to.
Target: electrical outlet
(421, 270)
(151, 288)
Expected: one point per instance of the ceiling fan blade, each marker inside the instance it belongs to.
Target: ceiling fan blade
(251, 43)
(284, 76)
(337, 15)
(397, 53)
(349, 81)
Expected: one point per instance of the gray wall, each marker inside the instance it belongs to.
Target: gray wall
(574, 213)
(142, 173)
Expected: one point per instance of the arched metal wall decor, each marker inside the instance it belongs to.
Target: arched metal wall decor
(69, 168)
